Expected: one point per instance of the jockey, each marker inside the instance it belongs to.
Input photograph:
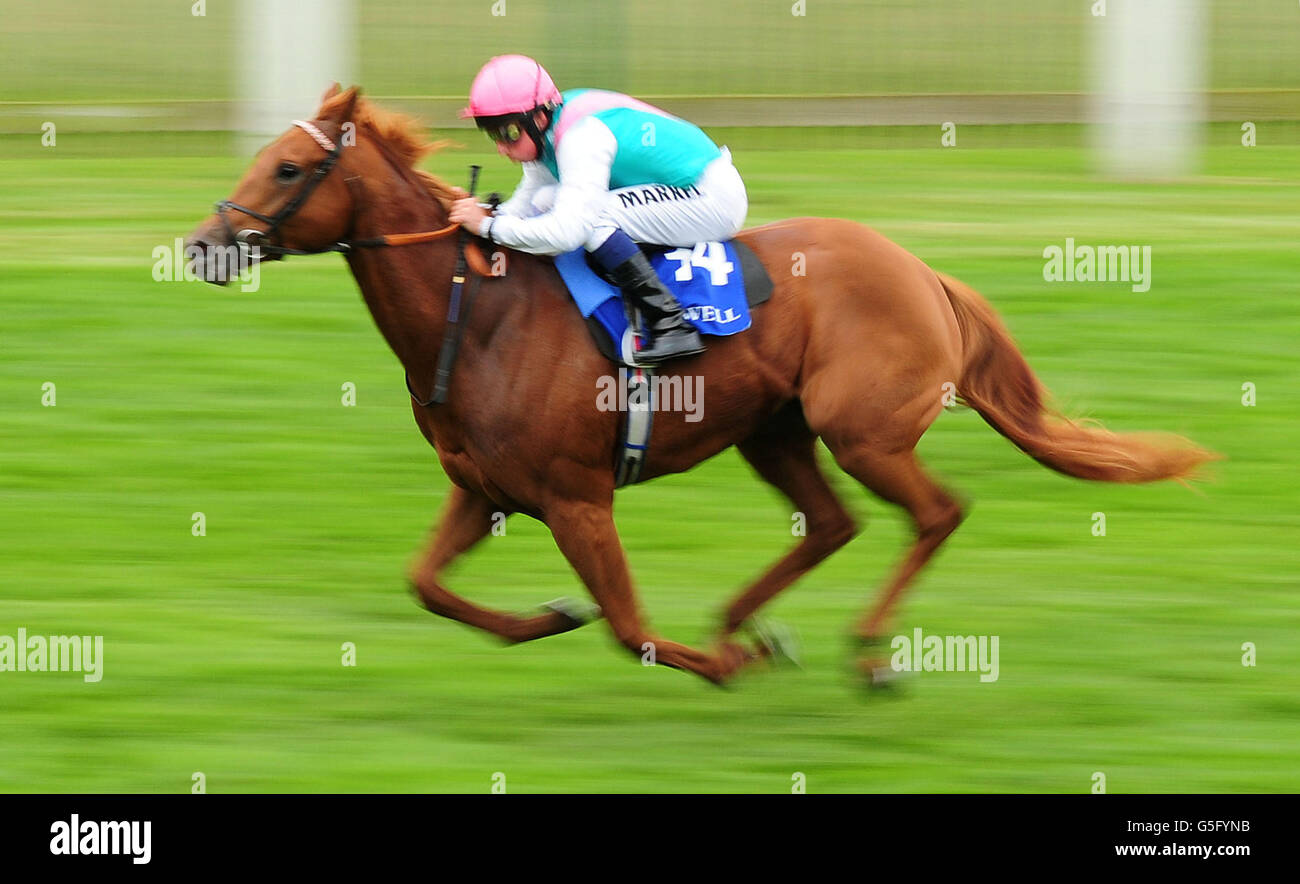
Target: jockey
(605, 172)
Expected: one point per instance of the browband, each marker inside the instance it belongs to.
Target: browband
(317, 135)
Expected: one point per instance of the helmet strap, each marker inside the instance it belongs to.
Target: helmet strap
(530, 126)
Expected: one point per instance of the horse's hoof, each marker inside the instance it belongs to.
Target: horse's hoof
(578, 613)
(873, 670)
(732, 658)
(881, 677)
(878, 677)
(777, 642)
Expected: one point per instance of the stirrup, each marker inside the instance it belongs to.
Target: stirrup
(681, 342)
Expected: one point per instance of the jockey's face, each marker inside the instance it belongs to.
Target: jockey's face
(523, 150)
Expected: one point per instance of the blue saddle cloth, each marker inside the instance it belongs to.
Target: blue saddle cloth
(706, 280)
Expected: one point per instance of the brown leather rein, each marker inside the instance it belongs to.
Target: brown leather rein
(477, 262)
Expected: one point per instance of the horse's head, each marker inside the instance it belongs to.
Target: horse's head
(288, 201)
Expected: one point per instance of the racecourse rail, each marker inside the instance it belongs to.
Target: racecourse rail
(1223, 105)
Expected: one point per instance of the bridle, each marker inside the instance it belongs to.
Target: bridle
(455, 314)
(261, 240)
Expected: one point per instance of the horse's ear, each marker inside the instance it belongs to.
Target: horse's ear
(338, 106)
(329, 93)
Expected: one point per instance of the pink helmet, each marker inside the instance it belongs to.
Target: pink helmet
(510, 84)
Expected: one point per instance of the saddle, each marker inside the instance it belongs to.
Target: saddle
(758, 289)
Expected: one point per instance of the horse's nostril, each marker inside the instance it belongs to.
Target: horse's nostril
(207, 260)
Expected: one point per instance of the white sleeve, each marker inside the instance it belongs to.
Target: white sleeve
(521, 201)
(584, 160)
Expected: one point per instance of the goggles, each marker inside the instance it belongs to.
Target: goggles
(506, 133)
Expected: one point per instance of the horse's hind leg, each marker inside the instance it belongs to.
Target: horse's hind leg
(585, 533)
(467, 520)
(898, 478)
(784, 454)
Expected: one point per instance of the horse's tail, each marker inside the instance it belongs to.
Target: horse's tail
(998, 383)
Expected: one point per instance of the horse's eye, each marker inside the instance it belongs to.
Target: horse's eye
(287, 173)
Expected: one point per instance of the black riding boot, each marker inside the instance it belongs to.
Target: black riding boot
(671, 336)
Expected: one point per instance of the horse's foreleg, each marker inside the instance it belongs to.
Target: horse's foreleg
(585, 533)
(466, 520)
(787, 459)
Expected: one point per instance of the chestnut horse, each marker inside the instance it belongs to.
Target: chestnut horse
(861, 350)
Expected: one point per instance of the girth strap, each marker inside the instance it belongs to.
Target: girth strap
(457, 317)
(637, 424)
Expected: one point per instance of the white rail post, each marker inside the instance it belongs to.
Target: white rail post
(1149, 66)
(289, 52)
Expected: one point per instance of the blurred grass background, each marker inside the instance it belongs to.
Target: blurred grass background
(1119, 654)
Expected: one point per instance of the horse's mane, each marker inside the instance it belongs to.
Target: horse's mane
(404, 136)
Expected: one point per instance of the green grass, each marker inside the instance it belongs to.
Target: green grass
(1119, 654)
